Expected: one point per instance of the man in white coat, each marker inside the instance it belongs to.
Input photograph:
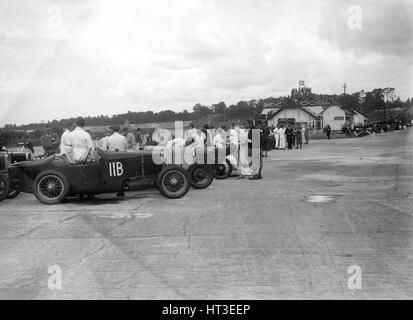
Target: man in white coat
(244, 163)
(117, 142)
(281, 132)
(81, 142)
(277, 137)
(303, 129)
(65, 144)
(103, 143)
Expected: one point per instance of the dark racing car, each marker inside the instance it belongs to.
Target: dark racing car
(53, 179)
(6, 159)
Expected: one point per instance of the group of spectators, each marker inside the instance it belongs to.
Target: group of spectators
(282, 137)
(119, 139)
(75, 143)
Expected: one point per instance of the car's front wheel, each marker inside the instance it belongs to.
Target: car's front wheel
(4, 187)
(50, 187)
(223, 170)
(201, 176)
(173, 182)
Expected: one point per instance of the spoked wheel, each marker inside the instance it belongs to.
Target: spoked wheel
(201, 176)
(223, 170)
(4, 187)
(173, 182)
(50, 187)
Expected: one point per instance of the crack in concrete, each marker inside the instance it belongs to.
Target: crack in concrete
(109, 234)
(67, 219)
(188, 236)
(82, 259)
(31, 231)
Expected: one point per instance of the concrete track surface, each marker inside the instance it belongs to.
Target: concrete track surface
(318, 211)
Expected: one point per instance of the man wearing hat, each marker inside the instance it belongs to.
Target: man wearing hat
(130, 138)
(50, 142)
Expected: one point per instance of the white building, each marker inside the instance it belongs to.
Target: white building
(283, 114)
(336, 117)
(359, 119)
(315, 114)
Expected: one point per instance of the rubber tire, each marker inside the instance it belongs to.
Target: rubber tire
(227, 173)
(231, 167)
(209, 172)
(51, 173)
(4, 180)
(163, 190)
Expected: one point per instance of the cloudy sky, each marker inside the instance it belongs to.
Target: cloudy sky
(62, 58)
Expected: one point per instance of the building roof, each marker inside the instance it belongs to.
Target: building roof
(346, 111)
(273, 113)
(317, 110)
(360, 113)
(276, 111)
(265, 111)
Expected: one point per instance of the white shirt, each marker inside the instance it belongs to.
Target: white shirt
(103, 143)
(233, 137)
(130, 138)
(26, 150)
(81, 143)
(65, 144)
(219, 140)
(117, 142)
(243, 136)
(199, 139)
(177, 142)
(190, 133)
(162, 136)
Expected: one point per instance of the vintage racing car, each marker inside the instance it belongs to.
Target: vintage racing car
(196, 161)
(205, 163)
(54, 178)
(6, 159)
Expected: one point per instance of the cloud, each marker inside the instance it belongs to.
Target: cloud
(138, 55)
(386, 27)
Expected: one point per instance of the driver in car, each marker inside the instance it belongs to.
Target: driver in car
(81, 142)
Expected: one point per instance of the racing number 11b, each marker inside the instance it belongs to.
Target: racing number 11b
(115, 169)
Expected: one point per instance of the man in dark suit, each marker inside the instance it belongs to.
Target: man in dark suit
(327, 130)
(50, 142)
(290, 133)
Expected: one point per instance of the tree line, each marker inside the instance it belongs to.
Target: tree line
(242, 109)
(373, 106)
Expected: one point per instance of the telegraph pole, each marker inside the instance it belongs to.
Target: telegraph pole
(344, 87)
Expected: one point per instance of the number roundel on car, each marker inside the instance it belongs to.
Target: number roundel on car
(115, 169)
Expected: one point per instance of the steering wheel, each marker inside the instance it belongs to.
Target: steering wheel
(88, 155)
